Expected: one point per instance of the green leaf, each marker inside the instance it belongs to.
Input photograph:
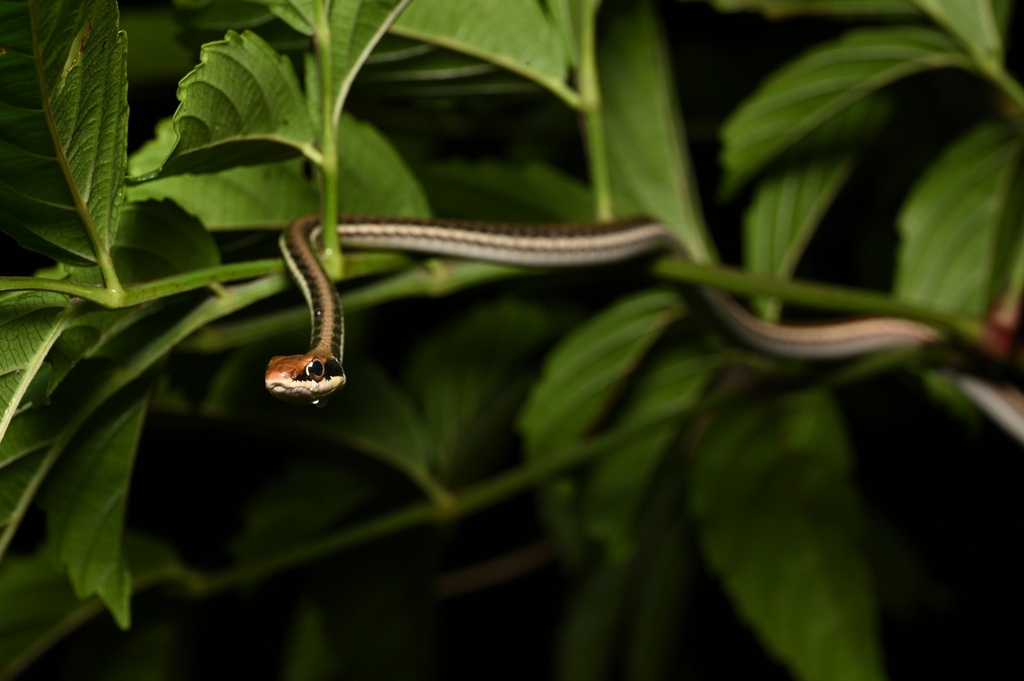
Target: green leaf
(973, 23)
(790, 202)
(270, 195)
(371, 415)
(905, 586)
(38, 607)
(351, 28)
(223, 15)
(777, 9)
(590, 622)
(156, 55)
(821, 83)
(616, 486)
(86, 334)
(584, 372)
(950, 223)
(30, 323)
(468, 379)
(356, 27)
(307, 652)
(496, 190)
(149, 652)
(663, 571)
(779, 521)
(307, 499)
(85, 499)
(513, 34)
(647, 155)
(157, 239)
(35, 599)
(372, 178)
(565, 16)
(63, 126)
(242, 105)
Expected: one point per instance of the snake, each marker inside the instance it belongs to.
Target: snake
(313, 377)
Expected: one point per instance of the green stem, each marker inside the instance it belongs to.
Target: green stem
(819, 296)
(95, 294)
(1007, 84)
(331, 255)
(436, 278)
(357, 265)
(592, 116)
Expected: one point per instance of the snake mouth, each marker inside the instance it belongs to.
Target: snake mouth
(304, 379)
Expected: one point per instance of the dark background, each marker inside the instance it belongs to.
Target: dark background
(949, 487)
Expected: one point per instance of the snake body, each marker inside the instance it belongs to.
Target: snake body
(314, 376)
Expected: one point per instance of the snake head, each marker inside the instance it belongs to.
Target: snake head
(304, 379)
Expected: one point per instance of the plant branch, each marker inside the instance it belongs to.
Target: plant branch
(434, 278)
(592, 115)
(328, 165)
(813, 295)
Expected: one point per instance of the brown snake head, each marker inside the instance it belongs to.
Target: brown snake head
(304, 379)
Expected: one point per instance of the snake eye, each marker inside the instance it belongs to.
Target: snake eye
(315, 369)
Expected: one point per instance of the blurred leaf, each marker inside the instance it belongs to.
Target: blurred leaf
(617, 485)
(157, 239)
(585, 647)
(148, 555)
(496, 190)
(30, 323)
(206, 21)
(973, 23)
(377, 609)
(818, 85)
(943, 392)
(38, 607)
(63, 126)
(839, 8)
(35, 598)
(663, 570)
(270, 195)
(583, 373)
(307, 654)
(905, 586)
(242, 105)
(779, 521)
(371, 415)
(156, 55)
(393, 49)
(467, 376)
(1002, 11)
(149, 652)
(373, 179)
(790, 202)
(432, 65)
(647, 155)
(514, 34)
(223, 15)
(949, 225)
(307, 499)
(85, 499)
